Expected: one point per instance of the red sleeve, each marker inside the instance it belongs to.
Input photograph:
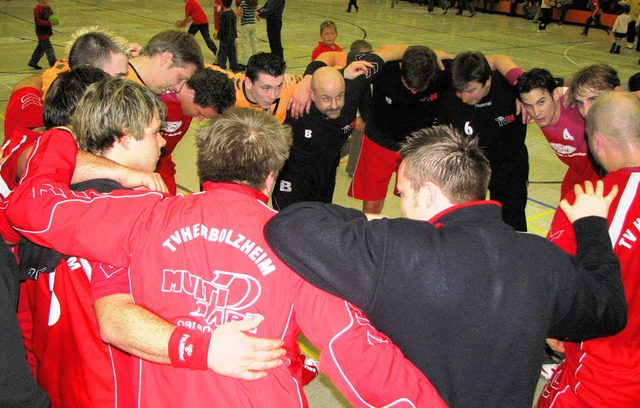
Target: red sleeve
(561, 231)
(24, 112)
(44, 210)
(362, 362)
(108, 280)
(37, 16)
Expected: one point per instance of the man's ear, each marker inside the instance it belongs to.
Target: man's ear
(427, 195)
(166, 59)
(125, 140)
(247, 83)
(557, 93)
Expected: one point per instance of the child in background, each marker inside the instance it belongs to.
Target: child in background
(247, 13)
(194, 14)
(44, 19)
(620, 28)
(227, 35)
(328, 34)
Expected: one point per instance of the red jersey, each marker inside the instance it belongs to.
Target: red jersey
(322, 47)
(217, 10)
(568, 141)
(193, 9)
(605, 371)
(174, 128)
(24, 112)
(73, 365)
(200, 261)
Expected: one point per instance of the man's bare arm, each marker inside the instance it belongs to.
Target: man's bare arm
(90, 166)
(142, 333)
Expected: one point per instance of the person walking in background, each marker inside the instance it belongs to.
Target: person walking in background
(620, 28)
(272, 12)
(194, 14)
(227, 35)
(595, 17)
(247, 14)
(353, 3)
(44, 19)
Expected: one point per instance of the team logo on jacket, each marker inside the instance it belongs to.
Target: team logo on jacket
(170, 128)
(505, 120)
(219, 300)
(431, 98)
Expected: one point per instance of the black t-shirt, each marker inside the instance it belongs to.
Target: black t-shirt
(318, 138)
(501, 132)
(397, 112)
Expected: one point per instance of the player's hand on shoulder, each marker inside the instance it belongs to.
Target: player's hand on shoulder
(589, 201)
(137, 179)
(300, 101)
(234, 354)
(356, 68)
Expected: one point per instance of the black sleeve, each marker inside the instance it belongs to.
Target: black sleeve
(599, 307)
(335, 248)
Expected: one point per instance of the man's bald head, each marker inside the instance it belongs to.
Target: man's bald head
(614, 130)
(327, 90)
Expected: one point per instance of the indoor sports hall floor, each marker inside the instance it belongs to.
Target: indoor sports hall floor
(562, 50)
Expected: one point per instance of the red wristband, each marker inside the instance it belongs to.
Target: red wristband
(189, 348)
(513, 75)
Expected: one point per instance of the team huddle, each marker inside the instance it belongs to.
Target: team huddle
(131, 295)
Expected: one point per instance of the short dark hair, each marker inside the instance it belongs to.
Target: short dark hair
(442, 155)
(93, 47)
(469, 67)
(360, 46)
(212, 89)
(226, 3)
(536, 78)
(65, 92)
(180, 44)
(265, 63)
(242, 146)
(419, 67)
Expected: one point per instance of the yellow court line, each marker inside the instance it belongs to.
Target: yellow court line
(540, 215)
(308, 352)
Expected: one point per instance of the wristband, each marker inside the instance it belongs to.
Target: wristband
(513, 75)
(189, 348)
(313, 67)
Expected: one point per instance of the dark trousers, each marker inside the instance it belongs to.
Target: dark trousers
(545, 19)
(228, 50)
(598, 24)
(44, 47)
(353, 3)
(274, 34)
(465, 5)
(204, 31)
(508, 186)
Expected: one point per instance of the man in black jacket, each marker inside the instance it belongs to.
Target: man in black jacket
(453, 285)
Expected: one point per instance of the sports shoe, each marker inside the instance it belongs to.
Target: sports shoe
(583, 34)
(473, 14)
(310, 370)
(459, 12)
(630, 46)
(34, 65)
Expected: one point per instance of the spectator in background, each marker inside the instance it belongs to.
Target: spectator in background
(44, 19)
(194, 14)
(328, 35)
